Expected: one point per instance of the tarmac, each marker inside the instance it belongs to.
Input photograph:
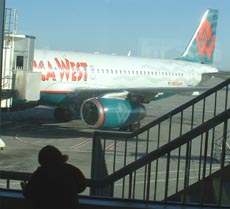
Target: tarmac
(26, 132)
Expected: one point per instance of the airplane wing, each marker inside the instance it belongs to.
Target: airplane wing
(139, 95)
(119, 100)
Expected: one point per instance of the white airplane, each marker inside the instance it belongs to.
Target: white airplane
(108, 91)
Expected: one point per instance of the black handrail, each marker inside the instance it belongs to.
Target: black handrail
(24, 176)
(174, 144)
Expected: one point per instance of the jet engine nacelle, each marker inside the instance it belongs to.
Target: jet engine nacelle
(110, 112)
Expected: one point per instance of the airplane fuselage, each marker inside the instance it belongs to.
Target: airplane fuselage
(69, 72)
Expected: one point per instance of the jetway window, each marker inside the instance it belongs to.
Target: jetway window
(19, 62)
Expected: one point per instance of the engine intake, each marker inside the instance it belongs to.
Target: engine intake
(110, 112)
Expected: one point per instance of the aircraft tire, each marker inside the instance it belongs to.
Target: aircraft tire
(135, 126)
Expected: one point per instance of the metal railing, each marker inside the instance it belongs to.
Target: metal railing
(137, 180)
(167, 155)
(6, 89)
(11, 16)
(123, 148)
(218, 148)
(114, 151)
(189, 165)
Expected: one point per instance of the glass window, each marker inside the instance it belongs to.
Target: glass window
(97, 65)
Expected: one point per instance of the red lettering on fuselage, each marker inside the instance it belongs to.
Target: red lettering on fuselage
(64, 69)
(175, 83)
(83, 65)
(49, 65)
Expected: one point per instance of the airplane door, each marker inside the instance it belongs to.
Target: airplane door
(19, 62)
(92, 72)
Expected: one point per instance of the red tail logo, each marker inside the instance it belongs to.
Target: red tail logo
(205, 39)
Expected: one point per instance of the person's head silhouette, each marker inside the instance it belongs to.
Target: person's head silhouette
(51, 156)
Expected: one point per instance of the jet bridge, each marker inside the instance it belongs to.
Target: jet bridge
(26, 82)
(18, 79)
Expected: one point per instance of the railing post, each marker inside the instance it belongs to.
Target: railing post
(99, 168)
(225, 129)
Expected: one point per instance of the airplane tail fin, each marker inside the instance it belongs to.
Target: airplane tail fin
(202, 45)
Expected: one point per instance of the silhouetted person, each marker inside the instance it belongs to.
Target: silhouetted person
(55, 184)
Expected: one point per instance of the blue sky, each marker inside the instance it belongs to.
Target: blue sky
(149, 28)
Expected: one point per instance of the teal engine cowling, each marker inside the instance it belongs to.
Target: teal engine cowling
(104, 113)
